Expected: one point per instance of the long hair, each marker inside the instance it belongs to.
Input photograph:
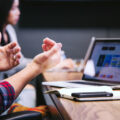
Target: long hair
(5, 6)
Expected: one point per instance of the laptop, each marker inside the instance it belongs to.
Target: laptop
(101, 65)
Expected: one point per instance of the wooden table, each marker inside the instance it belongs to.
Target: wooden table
(70, 110)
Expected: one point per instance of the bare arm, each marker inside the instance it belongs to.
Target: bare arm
(39, 64)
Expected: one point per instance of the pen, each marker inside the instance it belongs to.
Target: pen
(50, 91)
(92, 94)
(53, 92)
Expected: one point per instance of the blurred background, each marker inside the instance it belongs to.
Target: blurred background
(71, 22)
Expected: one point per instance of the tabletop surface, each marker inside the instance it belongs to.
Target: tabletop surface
(95, 110)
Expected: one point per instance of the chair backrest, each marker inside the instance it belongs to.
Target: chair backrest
(24, 115)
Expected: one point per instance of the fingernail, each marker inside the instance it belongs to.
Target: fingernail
(60, 45)
(46, 38)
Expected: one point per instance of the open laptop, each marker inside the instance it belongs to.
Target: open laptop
(101, 65)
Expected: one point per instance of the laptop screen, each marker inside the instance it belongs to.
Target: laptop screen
(104, 62)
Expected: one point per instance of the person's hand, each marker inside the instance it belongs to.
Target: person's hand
(65, 64)
(47, 44)
(9, 56)
(48, 59)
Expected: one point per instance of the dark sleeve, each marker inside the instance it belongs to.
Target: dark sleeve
(7, 95)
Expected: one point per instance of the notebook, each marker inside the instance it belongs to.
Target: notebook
(101, 65)
(90, 94)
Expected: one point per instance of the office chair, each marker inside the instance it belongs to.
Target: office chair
(24, 115)
(29, 115)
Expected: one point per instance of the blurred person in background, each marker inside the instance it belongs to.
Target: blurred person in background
(9, 16)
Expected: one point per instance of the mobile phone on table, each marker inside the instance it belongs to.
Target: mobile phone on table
(92, 94)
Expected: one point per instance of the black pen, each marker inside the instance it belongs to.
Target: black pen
(91, 94)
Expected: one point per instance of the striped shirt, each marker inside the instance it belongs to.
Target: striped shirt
(7, 95)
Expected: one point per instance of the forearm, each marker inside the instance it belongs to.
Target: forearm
(20, 79)
(40, 63)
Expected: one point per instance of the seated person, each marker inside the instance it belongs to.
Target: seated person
(9, 15)
(11, 87)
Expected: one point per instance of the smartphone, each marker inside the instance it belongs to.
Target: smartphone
(92, 94)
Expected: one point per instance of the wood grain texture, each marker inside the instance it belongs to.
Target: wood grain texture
(99, 110)
(95, 110)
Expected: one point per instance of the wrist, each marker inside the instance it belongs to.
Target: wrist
(35, 68)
